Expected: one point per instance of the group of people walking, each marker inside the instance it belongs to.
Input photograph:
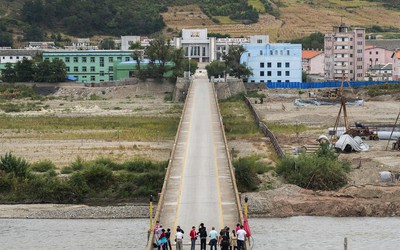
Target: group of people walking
(226, 239)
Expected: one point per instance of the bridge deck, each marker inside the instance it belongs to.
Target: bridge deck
(200, 188)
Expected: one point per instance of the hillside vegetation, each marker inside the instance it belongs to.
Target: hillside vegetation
(283, 20)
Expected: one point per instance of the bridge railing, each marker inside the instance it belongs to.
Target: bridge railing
(167, 174)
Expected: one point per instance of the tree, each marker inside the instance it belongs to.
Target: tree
(233, 65)
(24, 70)
(159, 52)
(107, 43)
(313, 41)
(6, 39)
(33, 33)
(58, 72)
(216, 68)
(8, 74)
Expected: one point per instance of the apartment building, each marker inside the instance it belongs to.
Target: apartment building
(396, 65)
(344, 54)
(90, 66)
(279, 62)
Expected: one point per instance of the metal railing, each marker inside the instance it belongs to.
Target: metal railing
(265, 129)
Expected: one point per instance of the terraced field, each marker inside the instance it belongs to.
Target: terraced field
(298, 18)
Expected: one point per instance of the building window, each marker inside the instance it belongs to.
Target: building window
(261, 65)
(287, 65)
(126, 58)
(287, 73)
(101, 73)
(259, 40)
(269, 65)
(279, 65)
(359, 35)
(92, 69)
(248, 54)
(288, 52)
(75, 59)
(359, 59)
(279, 81)
(281, 52)
(269, 73)
(376, 52)
(279, 73)
(67, 59)
(67, 69)
(92, 78)
(111, 78)
(359, 43)
(268, 80)
(110, 69)
(119, 59)
(92, 59)
(101, 62)
(261, 80)
(84, 69)
(110, 59)
(204, 51)
(75, 69)
(261, 52)
(84, 59)
(370, 52)
(359, 75)
(276, 52)
(287, 81)
(271, 52)
(261, 73)
(253, 81)
(359, 51)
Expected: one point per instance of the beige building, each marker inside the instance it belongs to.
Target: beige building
(344, 54)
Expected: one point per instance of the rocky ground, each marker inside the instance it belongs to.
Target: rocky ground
(364, 196)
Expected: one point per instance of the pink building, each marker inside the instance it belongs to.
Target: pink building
(396, 65)
(377, 56)
(313, 62)
(344, 54)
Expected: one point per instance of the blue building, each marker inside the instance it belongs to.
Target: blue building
(273, 62)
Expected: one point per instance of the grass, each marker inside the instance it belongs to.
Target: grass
(225, 20)
(257, 4)
(237, 119)
(280, 128)
(383, 89)
(95, 127)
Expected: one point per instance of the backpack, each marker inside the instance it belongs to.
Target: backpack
(203, 233)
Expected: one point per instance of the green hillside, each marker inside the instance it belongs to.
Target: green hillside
(55, 20)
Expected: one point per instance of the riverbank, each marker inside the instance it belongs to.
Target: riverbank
(66, 211)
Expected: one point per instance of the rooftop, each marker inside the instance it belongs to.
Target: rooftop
(308, 54)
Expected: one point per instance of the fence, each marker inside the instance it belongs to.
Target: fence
(265, 129)
(312, 85)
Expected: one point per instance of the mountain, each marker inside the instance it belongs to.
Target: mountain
(283, 20)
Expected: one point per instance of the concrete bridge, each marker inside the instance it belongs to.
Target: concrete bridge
(199, 185)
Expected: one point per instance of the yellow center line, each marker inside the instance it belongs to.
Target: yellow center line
(183, 167)
(221, 219)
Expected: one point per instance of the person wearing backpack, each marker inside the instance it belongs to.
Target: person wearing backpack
(203, 236)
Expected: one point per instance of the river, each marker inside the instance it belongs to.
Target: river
(283, 233)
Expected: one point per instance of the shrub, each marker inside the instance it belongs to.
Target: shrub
(78, 164)
(109, 163)
(15, 165)
(98, 177)
(246, 177)
(43, 166)
(320, 171)
(66, 170)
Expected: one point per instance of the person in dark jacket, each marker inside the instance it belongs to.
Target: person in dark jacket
(203, 236)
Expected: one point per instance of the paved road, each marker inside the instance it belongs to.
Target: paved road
(200, 187)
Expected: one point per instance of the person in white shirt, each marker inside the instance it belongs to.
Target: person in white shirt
(213, 238)
(241, 237)
(179, 239)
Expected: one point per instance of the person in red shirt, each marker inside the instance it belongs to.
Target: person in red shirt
(193, 238)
